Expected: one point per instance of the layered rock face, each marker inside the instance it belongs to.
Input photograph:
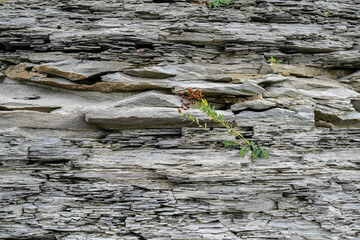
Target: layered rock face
(92, 145)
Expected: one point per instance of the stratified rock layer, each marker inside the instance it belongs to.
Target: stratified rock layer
(92, 145)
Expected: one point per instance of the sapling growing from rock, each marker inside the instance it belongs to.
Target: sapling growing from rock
(198, 101)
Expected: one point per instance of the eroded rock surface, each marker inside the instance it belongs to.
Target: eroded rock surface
(92, 145)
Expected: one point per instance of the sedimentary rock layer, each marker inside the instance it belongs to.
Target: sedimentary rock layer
(92, 145)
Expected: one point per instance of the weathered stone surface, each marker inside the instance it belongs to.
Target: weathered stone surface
(258, 79)
(129, 83)
(31, 119)
(143, 117)
(120, 64)
(115, 176)
(153, 72)
(150, 99)
(353, 79)
(76, 70)
(303, 71)
(254, 104)
(20, 73)
(17, 96)
(276, 117)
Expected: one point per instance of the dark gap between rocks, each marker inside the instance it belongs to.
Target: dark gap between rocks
(34, 109)
(83, 50)
(88, 81)
(140, 45)
(2, 46)
(93, 79)
(16, 48)
(325, 120)
(255, 110)
(356, 104)
(4, 109)
(342, 72)
(45, 162)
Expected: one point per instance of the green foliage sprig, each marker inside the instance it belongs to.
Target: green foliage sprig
(203, 105)
(273, 60)
(217, 3)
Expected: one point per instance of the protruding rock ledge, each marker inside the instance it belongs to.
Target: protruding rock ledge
(40, 120)
(144, 117)
(260, 104)
(76, 70)
(150, 99)
(302, 71)
(152, 72)
(276, 117)
(120, 82)
(20, 73)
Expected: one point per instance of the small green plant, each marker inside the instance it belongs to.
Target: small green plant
(217, 3)
(273, 60)
(326, 14)
(203, 105)
(256, 151)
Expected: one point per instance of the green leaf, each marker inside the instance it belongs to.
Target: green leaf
(264, 153)
(230, 144)
(244, 150)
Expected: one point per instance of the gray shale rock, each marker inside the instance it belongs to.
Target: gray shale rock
(92, 145)
(76, 70)
(276, 117)
(152, 72)
(144, 117)
(254, 104)
(150, 99)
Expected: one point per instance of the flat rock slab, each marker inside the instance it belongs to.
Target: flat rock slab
(40, 120)
(208, 88)
(144, 117)
(254, 104)
(276, 117)
(152, 72)
(17, 96)
(258, 78)
(210, 72)
(299, 70)
(20, 72)
(76, 70)
(150, 99)
(120, 82)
